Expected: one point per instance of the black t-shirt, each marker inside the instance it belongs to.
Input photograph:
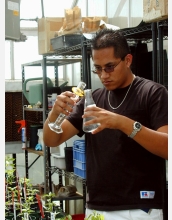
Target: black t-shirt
(118, 169)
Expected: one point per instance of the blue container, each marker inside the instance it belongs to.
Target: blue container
(80, 173)
(79, 158)
(79, 165)
(79, 145)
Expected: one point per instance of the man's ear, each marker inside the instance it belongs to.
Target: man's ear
(129, 59)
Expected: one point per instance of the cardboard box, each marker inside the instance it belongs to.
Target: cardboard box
(104, 18)
(46, 29)
(155, 10)
(92, 24)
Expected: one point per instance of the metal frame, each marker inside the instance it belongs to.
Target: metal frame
(57, 61)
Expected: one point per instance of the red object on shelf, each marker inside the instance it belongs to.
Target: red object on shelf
(78, 217)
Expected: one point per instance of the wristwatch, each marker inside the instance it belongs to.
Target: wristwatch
(136, 128)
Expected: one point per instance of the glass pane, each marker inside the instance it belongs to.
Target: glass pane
(32, 9)
(97, 8)
(7, 60)
(36, 71)
(83, 6)
(54, 8)
(25, 52)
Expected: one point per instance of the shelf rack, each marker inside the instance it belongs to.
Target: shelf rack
(69, 175)
(72, 176)
(156, 31)
(48, 61)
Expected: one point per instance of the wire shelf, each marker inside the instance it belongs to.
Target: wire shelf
(69, 175)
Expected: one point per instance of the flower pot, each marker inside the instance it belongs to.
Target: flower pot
(78, 217)
(9, 216)
(59, 214)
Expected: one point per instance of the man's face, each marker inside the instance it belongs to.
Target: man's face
(113, 72)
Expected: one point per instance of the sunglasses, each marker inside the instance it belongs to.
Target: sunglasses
(108, 69)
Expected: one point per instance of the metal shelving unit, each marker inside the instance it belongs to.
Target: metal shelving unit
(55, 61)
(155, 32)
(145, 32)
(46, 61)
(72, 176)
(69, 175)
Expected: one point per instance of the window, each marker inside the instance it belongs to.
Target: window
(7, 60)
(17, 53)
(25, 52)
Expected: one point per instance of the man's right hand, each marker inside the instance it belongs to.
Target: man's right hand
(63, 104)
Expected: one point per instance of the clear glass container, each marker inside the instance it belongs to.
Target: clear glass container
(89, 102)
(56, 126)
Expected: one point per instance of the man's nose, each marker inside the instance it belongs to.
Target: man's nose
(104, 74)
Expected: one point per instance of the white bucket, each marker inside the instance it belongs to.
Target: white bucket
(61, 149)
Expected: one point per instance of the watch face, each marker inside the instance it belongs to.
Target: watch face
(137, 125)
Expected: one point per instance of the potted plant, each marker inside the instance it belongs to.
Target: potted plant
(95, 216)
(22, 200)
(52, 211)
(29, 203)
(20, 197)
(11, 192)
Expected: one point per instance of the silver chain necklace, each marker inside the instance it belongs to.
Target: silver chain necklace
(123, 98)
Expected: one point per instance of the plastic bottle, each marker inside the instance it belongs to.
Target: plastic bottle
(53, 98)
(23, 132)
(49, 102)
(89, 102)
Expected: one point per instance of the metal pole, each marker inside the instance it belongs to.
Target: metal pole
(42, 7)
(26, 164)
(56, 75)
(161, 54)
(45, 103)
(12, 59)
(84, 61)
(45, 107)
(154, 51)
(74, 3)
(89, 71)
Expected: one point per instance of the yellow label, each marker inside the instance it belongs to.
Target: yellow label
(77, 91)
(16, 13)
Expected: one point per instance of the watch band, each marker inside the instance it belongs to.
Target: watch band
(134, 132)
(136, 128)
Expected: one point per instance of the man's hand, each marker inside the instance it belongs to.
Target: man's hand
(64, 103)
(105, 118)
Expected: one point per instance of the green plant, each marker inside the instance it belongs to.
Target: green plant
(51, 208)
(49, 204)
(9, 170)
(11, 189)
(29, 198)
(95, 216)
(15, 202)
(24, 201)
(67, 217)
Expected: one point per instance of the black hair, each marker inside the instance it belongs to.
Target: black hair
(111, 38)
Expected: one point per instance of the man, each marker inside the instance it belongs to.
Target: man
(125, 154)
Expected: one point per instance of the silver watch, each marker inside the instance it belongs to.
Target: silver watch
(136, 128)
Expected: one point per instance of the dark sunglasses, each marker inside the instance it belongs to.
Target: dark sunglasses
(108, 69)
